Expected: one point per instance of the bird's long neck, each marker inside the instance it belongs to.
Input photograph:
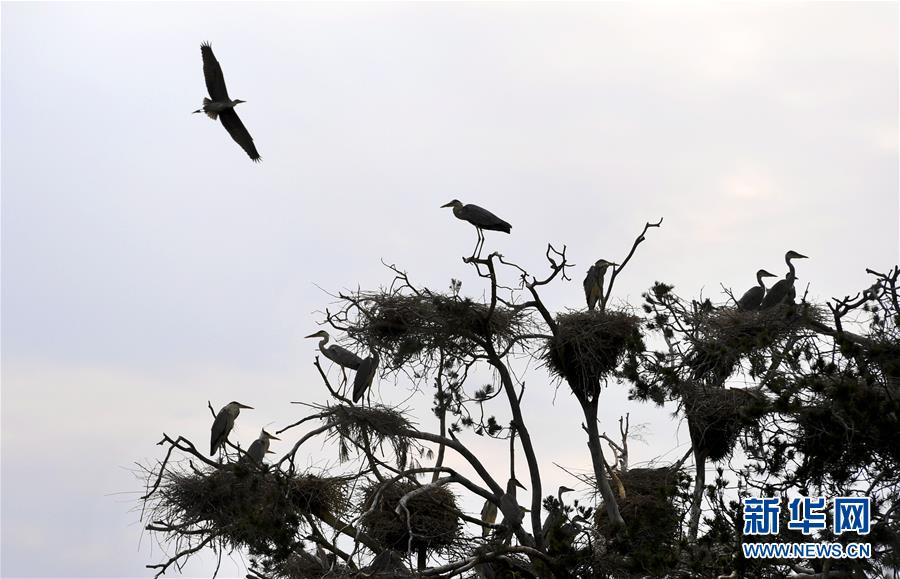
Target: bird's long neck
(759, 280)
(322, 343)
(791, 271)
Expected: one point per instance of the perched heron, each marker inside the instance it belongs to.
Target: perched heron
(753, 297)
(223, 424)
(221, 106)
(479, 217)
(569, 530)
(337, 354)
(489, 516)
(507, 503)
(593, 282)
(783, 290)
(365, 374)
(260, 447)
(556, 515)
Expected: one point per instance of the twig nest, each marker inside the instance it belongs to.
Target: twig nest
(652, 521)
(409, 326)
(433, 517)
(303, 565)
(716, 417)
(745, 331)
(247, 507)
(373, 427)
(588, 346)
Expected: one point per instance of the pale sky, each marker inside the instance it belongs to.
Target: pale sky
(149, 266)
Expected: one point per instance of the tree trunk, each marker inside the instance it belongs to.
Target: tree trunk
(422, 559)
(599, 463)
(699, 488)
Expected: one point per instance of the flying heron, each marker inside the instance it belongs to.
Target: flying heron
(365, 374)
(593, 282)
(337, 354)
(223, 424)
(221, 106)
(260, 447)
(783, 290)
(753, 297)
(479, 217)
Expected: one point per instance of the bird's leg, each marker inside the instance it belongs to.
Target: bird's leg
(480, 244)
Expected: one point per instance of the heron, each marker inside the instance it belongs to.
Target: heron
(479, 217)
(753, 297)
(568, 531)
(507, 503)
(337, 354)
(557, 515)
(221, 106)
(489, 516)
(783, 290)
(365, 374)
(260, 447)
(223, 424)
(593, 282)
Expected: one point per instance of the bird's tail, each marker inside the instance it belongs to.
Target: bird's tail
(211, 114)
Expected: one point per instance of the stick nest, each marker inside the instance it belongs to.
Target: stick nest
(726, 334)
(433, 517)
(588, 346)
(651, 518)
(716, 417)
(246, 506)
(306, 566)
(373, 427)
(409, 326)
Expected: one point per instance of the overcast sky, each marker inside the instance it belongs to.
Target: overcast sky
(149, 266)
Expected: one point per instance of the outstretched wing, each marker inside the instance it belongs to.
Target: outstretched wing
(215, 81)
(239, 133)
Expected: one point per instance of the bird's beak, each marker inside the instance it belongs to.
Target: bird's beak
(273, 437)
(447, 205)
(800, 257)
(316, 335)
(518, 484)
(245, 406)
